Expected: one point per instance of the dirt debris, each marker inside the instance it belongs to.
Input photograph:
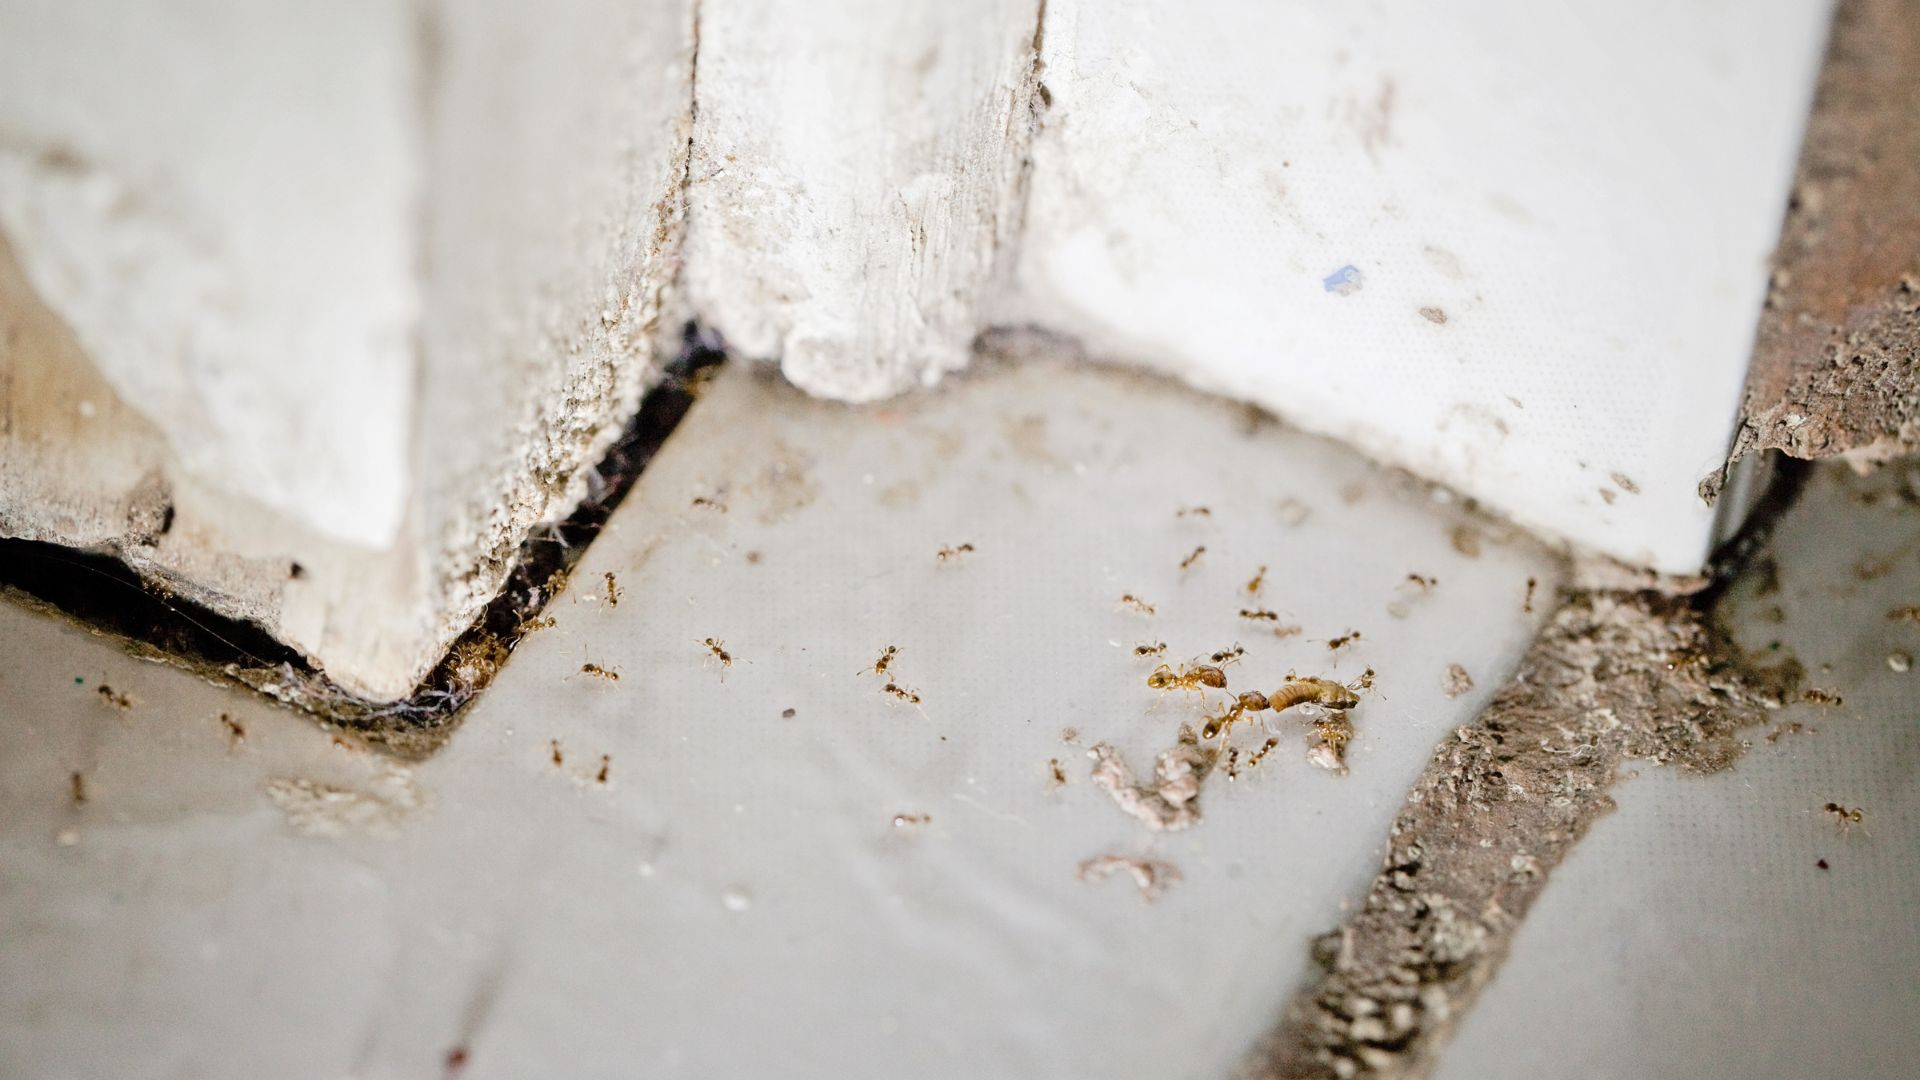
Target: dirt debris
(319, 809)
(1613, 677)
(1172, 801)
(1456, 681)
(1150, 875)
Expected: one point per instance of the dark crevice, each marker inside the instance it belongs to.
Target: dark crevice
(103, 593)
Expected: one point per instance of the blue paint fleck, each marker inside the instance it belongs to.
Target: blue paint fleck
(1345, 281)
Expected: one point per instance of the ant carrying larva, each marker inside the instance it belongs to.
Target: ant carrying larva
(1297, 691)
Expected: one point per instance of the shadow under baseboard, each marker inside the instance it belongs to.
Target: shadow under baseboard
(106, 596)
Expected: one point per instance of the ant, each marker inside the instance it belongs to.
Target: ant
(881, 665)
(1344, 640)
(1259, 579)
(946, 553)
(1194, 511)
(1194, 677)
(901, 693)
(1333, 734)
(1228, 656)
(1251, 701)
(1260, 755)
(1137, 604)
(1194, 557)
(599, 672)
(1260, 614)
(613, 591)
(1847, 817)
(1158, 648)
(718, 648)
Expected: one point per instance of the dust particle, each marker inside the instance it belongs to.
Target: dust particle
(1434, 315)
(1909, 614)
(1456, 681)
(1466, 541)
(1151, 876)
(1900, 661)
(1624, 483)
(1792, 727)
(1171, 801)
(318, 809)
(1872, 567)
(1027, 436)
(77, 786)
(787, 714)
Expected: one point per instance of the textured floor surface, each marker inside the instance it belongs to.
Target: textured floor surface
(735, 897)
(672, 875)
(1695, 932)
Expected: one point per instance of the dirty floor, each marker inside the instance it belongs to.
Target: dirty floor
(639, 857)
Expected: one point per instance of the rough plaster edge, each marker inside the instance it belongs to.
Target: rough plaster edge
(1836, 365)
(111, 595)
(1615, 677)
